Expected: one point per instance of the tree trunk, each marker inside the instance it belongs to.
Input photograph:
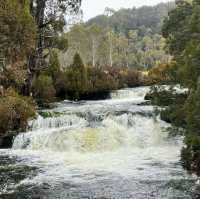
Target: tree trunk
(93, 53)
(33, 64)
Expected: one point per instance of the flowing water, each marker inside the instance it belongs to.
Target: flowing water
(111, 149)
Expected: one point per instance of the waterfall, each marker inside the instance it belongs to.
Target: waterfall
(93, 131)
(114, 132)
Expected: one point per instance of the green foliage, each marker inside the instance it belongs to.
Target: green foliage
(191, 153)
(182, 32)
(46, 114)
(54, 65)
(175, 28)
(43, 89)
(77, 76)
(162, 74)
(18, 30)
(15, 110)
(161, 96)
(128, 77)
(17, 41)
(192, 108)
(85, 82)
(104, 47)
(100, 80)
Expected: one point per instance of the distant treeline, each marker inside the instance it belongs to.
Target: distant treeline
(127, 38)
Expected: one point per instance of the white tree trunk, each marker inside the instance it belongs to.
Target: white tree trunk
(111, 51)
(93, 53)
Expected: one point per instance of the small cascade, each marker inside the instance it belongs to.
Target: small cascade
(134, 93)
(56, 122)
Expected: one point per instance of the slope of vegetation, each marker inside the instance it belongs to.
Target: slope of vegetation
(146, 18)
(127, 38)
(182, 32)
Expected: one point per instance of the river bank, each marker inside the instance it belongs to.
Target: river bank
(178, 110)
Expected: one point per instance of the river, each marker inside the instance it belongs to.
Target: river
(110, 149)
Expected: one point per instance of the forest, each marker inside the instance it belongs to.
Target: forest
(43, 62)
(124, 38)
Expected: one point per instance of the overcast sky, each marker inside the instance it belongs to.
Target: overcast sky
(92, 8)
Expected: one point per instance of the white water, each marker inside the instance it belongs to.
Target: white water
(102, 146)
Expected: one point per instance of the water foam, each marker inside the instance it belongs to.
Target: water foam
(112, 133)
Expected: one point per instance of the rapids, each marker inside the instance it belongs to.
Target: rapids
(110, 149)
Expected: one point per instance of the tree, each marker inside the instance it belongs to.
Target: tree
(17, 42)
(49, 17)
(182, 32)
(175, 28)
(43, 88)
(50, 20)
(77, 78)
(18, 30)
(54, 65)
(95, 37)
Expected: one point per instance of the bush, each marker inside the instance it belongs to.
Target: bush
(43, 89)
(192, 107)
(76, 76)
(15, 110)
(163, 74)
(61, 84)
(100, 80)
(129, 78)
(161, 96)
(191, 153)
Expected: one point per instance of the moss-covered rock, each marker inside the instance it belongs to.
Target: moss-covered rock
(46, 114)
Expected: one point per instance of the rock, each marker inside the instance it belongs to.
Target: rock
(6, 142)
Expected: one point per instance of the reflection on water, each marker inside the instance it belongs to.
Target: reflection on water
(114, 149)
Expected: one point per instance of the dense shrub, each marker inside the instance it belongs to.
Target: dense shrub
(162, 96)
(191, 153)
(15, 110)
(100, 80)
(129, 78)
(60, 85)
(81, 82)
(171, 101)
(192, 107)
(54, 65)
(162, 74)
(76, 76)
(43, 89)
